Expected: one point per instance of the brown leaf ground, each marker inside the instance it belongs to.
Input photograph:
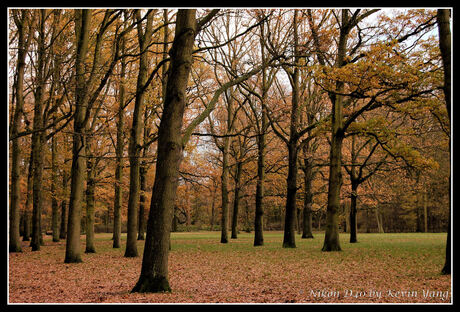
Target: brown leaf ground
(399, 268)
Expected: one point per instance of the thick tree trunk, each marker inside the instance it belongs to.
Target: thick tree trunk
(331, 240)
(154, 271)
(236, 200)
(73, 252)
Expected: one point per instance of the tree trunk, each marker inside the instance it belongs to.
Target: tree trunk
(224, 192)
(14, 242)
(154, 271)
(141, 223)
(353, 212)
(38, 137)
(259, 210)
(290, 213)
(213, 208)
(236, 200)
(63, 226)
(289, 220)
(54, 202)
(259, 213)
(73, 252)
(118, 200)
(135, 139)
(27, 208)
(307, 213)
(90, 189)
(443, 18)
(331, 239)
(378, 217)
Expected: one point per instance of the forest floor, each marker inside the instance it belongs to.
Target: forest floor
(398, 268)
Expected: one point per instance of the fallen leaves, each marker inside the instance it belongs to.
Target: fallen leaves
(236, 272)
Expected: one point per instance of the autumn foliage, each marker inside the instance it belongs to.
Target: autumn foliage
(308, 121)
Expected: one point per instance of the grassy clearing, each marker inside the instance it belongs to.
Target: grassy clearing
(397, 268)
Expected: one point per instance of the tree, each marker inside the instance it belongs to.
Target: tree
(144, 37)
(154, 271)
(445, 47)
(20, 18)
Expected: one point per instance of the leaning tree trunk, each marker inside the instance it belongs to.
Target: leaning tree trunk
(154, 271)
(73, 252)
(236, 200)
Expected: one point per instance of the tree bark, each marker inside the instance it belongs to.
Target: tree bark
(307, 213)
(353, 211)
(73, 252)
(14, 242)
(378, 217)
(144, 38)
(27, 208)
(141, 223)
(443, 18)
(289, 220)
(236, 200)
(154, 271)
(38, 138)
(90, 190)
(331, 239)
(118, 200)
(54, 202)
